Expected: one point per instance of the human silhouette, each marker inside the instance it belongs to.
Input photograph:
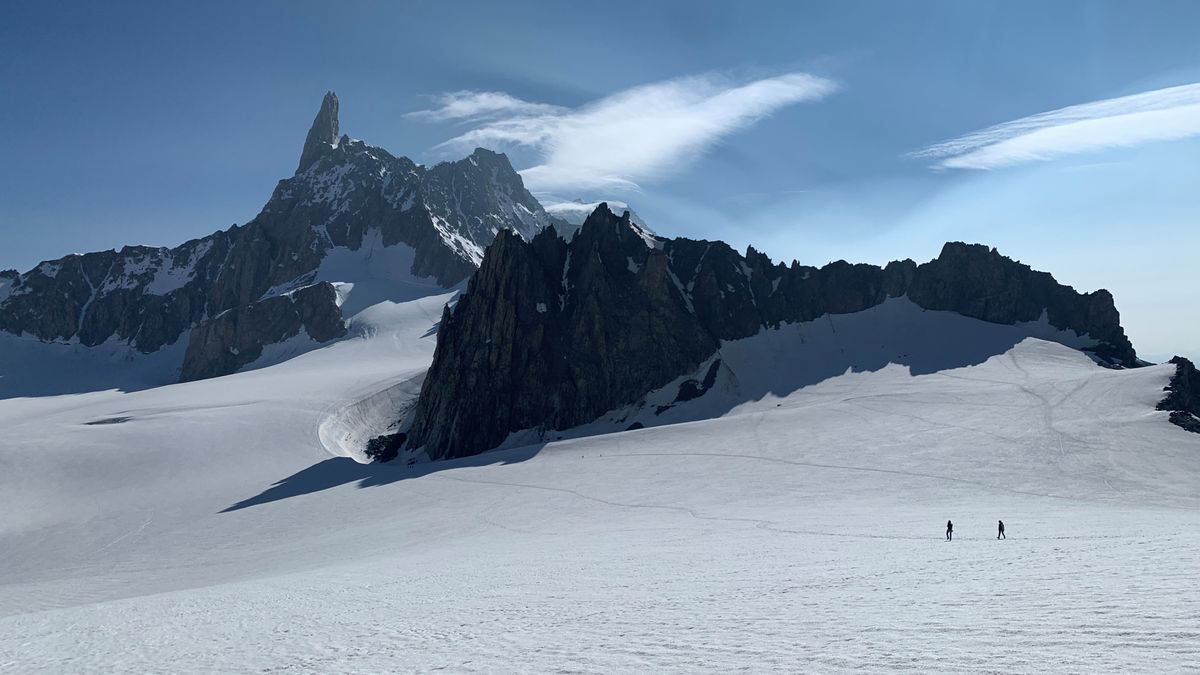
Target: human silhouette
(1000, 534)
(949, 530)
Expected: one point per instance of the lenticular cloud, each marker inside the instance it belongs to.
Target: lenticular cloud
(634, 135)
(1159, 115)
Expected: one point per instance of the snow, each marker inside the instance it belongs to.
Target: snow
(647, 236)
(345, 432)
(575, 212)
(565, 283)
(169, 276)
(895, 340)
(31, 367)
(528, 223)
(134, 265)
(691, 285)
(49, 268)
(330, 186)
(685, 292)
(372, 275)
(218, 526)
(541, 308)
(363, 277)
(458, 242)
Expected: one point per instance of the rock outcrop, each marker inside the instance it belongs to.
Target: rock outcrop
(1183, 395)
(344, 192)
(551, 334)
(323, 134)
(570, 216)
(236, 337)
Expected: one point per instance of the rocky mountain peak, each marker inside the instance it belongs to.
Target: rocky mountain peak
(570, 216)
(227, 294)
(552, 333)
(489, 156)
(604, 226)
(324, 133)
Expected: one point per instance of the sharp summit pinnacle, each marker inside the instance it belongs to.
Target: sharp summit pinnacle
(324, 132)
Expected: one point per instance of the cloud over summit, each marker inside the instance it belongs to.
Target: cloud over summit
(635, 135)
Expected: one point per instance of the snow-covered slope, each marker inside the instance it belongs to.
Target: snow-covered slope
(210, 527)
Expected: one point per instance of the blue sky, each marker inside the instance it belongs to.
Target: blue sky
(797, 127)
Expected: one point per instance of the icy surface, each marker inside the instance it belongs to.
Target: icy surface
(373, 274)
(30, 367)
(206, 527)
(896, 339)
(169, 276)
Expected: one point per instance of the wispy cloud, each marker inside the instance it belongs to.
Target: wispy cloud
(479, 105)
(634, 135)
(1162, 114)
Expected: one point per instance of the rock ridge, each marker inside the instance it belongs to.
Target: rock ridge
(551, 334)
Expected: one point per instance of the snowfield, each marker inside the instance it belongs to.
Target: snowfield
(222, 525)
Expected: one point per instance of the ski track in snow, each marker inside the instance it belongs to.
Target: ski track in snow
(800, 532)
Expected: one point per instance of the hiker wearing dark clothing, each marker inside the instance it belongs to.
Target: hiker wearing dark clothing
(949, 530)
(1000, 534)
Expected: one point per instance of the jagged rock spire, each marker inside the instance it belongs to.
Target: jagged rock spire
(324, 132)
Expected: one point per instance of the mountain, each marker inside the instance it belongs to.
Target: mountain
(550, 334)
(352, 215)
(833, 419)
(572, 214)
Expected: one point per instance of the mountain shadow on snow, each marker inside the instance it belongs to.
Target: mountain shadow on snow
(338, 471)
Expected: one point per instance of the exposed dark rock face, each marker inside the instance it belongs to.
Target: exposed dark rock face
(385, 448)
(1183, 395)
(323, 134)
(693, 389)
(570, 216)
(236, 337)
(343, 193)
(980, 283)
(551, 334)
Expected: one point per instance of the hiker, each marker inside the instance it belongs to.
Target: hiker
(949, 530)
(1000, 534)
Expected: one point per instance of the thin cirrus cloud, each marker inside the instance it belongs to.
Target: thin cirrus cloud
(635, 135)
(1158, 115)
(477, 105)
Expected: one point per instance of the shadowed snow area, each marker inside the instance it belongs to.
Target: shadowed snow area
(30, 367)
(801, 530)
(373, 273)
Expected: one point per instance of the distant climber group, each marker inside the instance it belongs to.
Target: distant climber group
(950, 530)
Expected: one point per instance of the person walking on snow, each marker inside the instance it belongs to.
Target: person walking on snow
(949, 530)
(1000, 534)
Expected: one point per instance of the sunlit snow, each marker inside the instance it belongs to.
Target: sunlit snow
(220, 526)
